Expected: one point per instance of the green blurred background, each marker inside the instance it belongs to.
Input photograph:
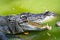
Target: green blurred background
(35, 6)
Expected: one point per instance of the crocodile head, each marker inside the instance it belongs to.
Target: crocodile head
(38, 17)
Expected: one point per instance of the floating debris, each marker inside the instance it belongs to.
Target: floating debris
(58, 23)
(55, 37)
(26, 33)
(49, 27)
(48, 34)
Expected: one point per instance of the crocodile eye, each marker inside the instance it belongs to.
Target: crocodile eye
(9, 20)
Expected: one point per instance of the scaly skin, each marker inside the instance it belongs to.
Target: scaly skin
(20, 23)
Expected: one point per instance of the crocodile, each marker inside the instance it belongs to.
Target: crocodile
(20, 23)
